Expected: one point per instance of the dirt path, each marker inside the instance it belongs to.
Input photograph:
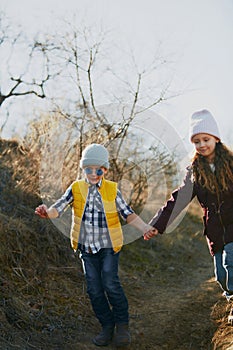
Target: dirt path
(168, 281)
(171, 300)
(171, 291)
(179, 314)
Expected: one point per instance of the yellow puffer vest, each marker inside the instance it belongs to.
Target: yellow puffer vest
(108, 191)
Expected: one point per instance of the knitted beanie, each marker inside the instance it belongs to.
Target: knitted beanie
(203, 122)
(94, 154)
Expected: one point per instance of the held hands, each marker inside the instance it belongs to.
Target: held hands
(150, 233)
(42, 211)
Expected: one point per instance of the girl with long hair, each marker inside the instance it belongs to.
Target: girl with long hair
(209, 178)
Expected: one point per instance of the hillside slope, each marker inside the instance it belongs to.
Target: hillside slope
(174, 302)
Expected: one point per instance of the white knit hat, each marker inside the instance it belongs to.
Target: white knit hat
(95, 154)
(203, 122)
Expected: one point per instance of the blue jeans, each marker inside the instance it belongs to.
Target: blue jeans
(223, 263)
(106, 294)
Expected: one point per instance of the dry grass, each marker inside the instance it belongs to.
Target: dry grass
(43, 301)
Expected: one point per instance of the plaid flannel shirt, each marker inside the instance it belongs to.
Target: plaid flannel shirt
(94, 233)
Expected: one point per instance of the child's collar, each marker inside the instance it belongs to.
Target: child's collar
(97, 185)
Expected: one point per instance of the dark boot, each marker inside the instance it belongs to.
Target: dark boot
(104, 337)
(122, 337)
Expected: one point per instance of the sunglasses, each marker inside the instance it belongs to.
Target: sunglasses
(89, 171)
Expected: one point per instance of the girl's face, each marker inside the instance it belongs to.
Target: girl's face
(205, 145)
(94, 173)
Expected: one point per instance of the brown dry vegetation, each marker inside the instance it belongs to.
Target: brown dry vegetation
(174, 302)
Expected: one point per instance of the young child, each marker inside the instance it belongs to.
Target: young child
(210, 179)
(96, 232)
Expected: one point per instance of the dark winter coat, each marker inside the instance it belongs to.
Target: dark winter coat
(217, 214)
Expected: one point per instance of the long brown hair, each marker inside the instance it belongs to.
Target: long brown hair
(220, 179)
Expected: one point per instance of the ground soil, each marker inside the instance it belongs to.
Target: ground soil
(174, 302)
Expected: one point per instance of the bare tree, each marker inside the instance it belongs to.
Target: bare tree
(24, 66)
(81, 58)
(83, 62)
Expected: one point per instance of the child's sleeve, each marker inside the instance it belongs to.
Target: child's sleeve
(122, 207)
(65, 200)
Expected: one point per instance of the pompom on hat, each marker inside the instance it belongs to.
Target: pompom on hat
(203, 122)
(95, 154)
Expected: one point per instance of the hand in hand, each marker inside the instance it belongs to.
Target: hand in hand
(42, 211)
(150, 233)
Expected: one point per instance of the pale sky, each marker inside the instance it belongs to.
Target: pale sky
(199, 32)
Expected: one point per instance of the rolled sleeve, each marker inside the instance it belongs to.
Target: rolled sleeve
(62, 203)
(122, 207)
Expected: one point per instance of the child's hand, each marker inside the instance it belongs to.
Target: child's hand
(42, 211)
(150, 233)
